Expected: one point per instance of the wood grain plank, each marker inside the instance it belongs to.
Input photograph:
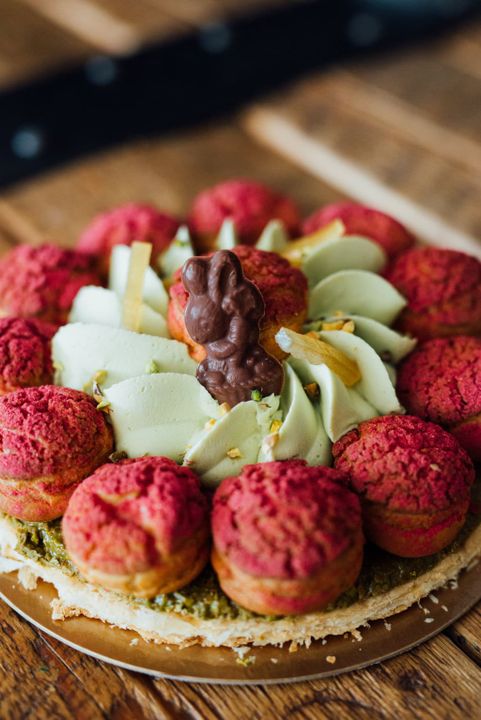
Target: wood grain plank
(34, 683)
(165, 172)
(30, 45)
(75, 684)
(464, 52)
(466, 633)
(435, 681)
(406, 121)
(119, 26)
(435, 88)
(212, 11)
(364, 158)
(113, 26)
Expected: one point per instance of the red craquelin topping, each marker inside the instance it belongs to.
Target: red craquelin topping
(441, 380)
(284, 519)
(250, 205)
(282, 286)
(46, 430)
(25, 357)
(123, 225)
(405, 463)
(124, 515)
(445, 285)
(359, 220)
(43, 281)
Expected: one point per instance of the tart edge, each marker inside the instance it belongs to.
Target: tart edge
(76, 597)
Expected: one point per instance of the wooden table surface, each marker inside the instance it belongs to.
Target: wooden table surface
(402, 133)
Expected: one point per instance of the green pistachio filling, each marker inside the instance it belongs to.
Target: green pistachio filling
(203, 598)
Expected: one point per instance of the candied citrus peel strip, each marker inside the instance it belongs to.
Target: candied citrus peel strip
(296, 249)
(318, 352)
(132, 303)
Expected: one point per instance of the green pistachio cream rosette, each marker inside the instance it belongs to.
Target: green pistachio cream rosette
(147, 383)
(156, 405)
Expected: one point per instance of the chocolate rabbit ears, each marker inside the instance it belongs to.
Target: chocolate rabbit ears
(216, 275)
(221, 279)
(224, 308)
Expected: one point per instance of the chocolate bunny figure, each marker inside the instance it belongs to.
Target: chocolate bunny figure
(223, 314)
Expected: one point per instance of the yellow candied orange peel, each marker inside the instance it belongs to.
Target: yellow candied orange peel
(317, 352)
(296, 250)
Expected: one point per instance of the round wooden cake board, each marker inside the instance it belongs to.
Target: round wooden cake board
(260, 665)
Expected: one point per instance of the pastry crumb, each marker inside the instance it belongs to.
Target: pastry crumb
(387, 625)
(429, 620)
(331, 659)
(27, 578)
(243, 657)
(434, 599)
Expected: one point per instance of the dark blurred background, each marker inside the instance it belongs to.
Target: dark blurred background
(77, 76)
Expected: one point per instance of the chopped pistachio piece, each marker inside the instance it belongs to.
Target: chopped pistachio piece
(152, 367)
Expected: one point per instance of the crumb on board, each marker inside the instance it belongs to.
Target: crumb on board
(274, 660)
(243, 655)
(27, 578)
(443, 607)
(429, 620)
(434, 599)
(387, 625)
(246, 661)
(453, 584)
(324, 641)
(331, 659)
(293, 647)
(356, 635)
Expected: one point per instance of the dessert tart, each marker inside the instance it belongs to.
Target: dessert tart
(223, 457)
